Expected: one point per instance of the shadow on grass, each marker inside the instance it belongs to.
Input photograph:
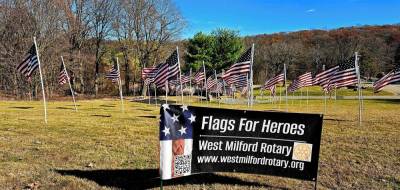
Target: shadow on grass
(98, 115)
(389, 101)
(149, 178)
(22, 107)
(108, 106)
(153, 101)
(148, 116)
(64, 108)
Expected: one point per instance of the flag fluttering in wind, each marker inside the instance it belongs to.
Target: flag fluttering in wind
(237, 80)
(161, 75)
(30, 63)
(185, 79)
(242, 65)
(345, 75)
(218, 88)
(62, 76)
(149, 72)
(199, 77)
(114, 74)
(172, 62)
(211, 82)
(274, 81)
(323, 78)
(303, 80)
(392, 77)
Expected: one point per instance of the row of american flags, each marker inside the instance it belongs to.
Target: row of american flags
(236, 76)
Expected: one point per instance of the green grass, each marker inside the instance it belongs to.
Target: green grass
(317, 91)
(123, 147)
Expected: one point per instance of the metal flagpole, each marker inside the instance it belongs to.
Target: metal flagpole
(248, 89)
(166, 91)
(41, 81)
(251, 76)
(286, 92)
(180, 75)
(323, 69)
(148, 90)
(359, 89)
(155, 94)
(69, 83)
(205, 82)
(216, 83)
(190, 85)
(301, 95)
(120, 87)
(307, 98)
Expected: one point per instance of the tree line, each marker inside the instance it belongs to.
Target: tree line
(91, 34)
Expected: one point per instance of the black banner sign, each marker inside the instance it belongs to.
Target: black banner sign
(198, 139)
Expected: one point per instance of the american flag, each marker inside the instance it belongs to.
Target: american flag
(218, 88)
(199, 77)
(172, 62)
(149, 72)
(62, 76)
(303, 80)
(176, 140)
(274, 80)
(161, 75)
(345, 75)
(237, 80)
(392, 77)
(113, 74)
(148, 81)
(323, 78)
(242, 65)
(185, 79)
(30, 63)
(211, 82)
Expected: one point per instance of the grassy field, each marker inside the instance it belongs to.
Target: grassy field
(99, 147)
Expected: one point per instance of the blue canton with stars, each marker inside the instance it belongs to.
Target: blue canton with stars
(176, 122)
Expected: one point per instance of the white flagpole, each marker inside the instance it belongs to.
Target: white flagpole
(148, 90)
(251, 76)
(205, 82)
(180, 76)
(166, 91)
(323, 68)
(307, 98)
(190, 85)
(41, 81)
(359, 89)
(216, 85)
(248, 90)
(69, 83)
(286, 93)
(155, 94)
(120, 87)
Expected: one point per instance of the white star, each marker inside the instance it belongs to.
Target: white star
(184, 108)
(192, 118)
(165, 106)
(166, 131)
(174, 118)
(182, 130)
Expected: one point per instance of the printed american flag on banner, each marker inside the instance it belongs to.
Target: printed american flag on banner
(391, 77)
(242, 65)
(345, 75)
(176, 141)
(62, 76)
(30, 63)
(274, 81)
(113, 74)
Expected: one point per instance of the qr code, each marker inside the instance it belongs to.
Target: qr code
(182, 165)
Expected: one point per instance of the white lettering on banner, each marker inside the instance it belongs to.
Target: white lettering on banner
(284, 128)
(215, 124)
